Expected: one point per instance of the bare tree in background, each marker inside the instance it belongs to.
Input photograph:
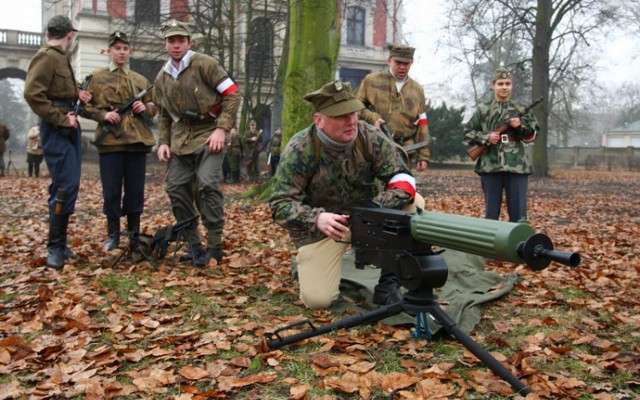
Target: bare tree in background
(551, 34)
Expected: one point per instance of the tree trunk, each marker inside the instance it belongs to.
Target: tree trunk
(314, 41)
(540, 84)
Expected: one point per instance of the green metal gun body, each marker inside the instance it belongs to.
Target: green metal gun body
(379, 233)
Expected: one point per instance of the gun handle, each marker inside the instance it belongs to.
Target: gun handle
(476, 151)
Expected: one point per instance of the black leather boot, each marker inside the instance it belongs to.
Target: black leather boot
(387, 291)
(56, 242)
(113, 230)
(68, 253)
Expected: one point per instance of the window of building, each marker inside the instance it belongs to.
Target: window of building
(355, 26)
(353, 76)
(147, 68)
(147, 12)
(261, 49)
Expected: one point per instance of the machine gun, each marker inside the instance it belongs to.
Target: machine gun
(83, 86)
(476, 150)
(109, 127)
(156, 247)
(401, 242)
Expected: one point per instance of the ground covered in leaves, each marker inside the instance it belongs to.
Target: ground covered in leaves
(93, 332)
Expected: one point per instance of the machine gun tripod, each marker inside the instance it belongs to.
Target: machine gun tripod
(397, 241)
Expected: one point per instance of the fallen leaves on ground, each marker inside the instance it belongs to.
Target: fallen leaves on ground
(186, 333)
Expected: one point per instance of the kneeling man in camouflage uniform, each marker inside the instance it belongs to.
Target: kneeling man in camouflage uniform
(325, 170)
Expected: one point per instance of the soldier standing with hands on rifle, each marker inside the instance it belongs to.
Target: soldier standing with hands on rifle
(325, 170)
(123, 140)
(198, 104)
(393, 99)
(52, 93)
(505, 165)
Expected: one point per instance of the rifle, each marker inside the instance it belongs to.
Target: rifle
(401, 243)
(108, 127)
(170, 233)
(83, 86)
(416, 146)
(476, 150)
(383, 126)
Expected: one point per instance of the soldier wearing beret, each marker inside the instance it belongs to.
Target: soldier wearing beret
(325, 170)
(394, 99)
(123, 141)
(505, 166)
(51, 91)
(198, 104)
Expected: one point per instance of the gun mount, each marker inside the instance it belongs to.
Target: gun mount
(402, 242)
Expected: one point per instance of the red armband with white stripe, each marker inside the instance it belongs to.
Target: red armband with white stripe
(226, 87)
(529, 138)
(404, 182)
(422, 120)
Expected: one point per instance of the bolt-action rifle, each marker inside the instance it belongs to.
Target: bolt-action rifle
(401, 242)
(476, 150)
(385, 129)
(109, 127)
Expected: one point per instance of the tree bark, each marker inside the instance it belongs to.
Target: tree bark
(540, 83)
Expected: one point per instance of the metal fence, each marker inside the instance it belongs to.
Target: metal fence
(595, 158)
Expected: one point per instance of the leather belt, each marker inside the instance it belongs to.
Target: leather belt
(504, 138)
(63, 103)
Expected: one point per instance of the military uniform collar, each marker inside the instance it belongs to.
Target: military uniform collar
(55, 47)
(113, 67)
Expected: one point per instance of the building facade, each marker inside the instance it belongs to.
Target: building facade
(248, 38)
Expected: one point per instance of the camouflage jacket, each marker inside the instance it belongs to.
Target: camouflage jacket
(312, 178)
(275, 144)
(49, 78)
(203, 89)
(510, 156)
(111, 88)
(404, 112)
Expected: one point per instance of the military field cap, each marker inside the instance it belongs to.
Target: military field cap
(501, 73)
(252, 122)
(175, 28)
(334, 99)
(60, 24)
(117, 35)
(401, 53)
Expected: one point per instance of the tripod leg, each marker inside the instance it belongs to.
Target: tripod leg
(483, 355)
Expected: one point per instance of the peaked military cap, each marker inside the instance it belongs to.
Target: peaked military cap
(252, 122)
(117, 35)
(60, 24)
(401, 53)
(175, 28)
(501, 73)
(334, 99)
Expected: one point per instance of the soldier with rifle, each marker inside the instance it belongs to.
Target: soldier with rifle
(325, 170)
(52, 93)
(252, 146)
(123, 108)
(503, 127)
(396, 103)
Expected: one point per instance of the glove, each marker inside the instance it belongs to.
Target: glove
(393, 198)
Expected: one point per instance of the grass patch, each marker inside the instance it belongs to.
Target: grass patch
(123, 285)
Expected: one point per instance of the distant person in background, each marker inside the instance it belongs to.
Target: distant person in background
(505, 166)
(234, 156)
(123, 141)
(51, 90)
(274, 150)
(4, 136)
(252, 146)
(34, 151)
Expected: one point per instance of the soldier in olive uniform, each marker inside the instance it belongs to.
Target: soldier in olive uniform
(34, 151)
(4, 137)
(52, 91)
(234, 155)
(198, 104)
(252, 142)
(505, 166)
(325, 170)
(123, 141)
(394, 99)
(274, 150)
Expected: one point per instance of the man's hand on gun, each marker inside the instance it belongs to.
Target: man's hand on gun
(333, 225)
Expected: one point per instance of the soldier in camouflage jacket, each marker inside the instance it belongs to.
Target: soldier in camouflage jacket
(123, 141)
(325, 170)
(198, 104)
(505, 166)
(398, 101)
